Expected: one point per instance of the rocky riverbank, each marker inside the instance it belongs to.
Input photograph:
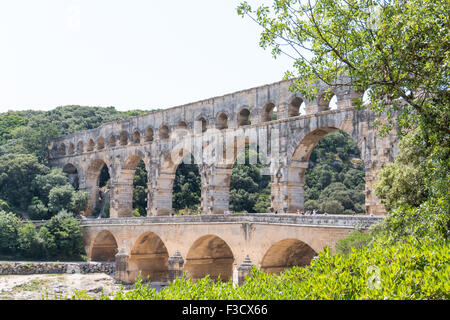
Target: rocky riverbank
(53, 286)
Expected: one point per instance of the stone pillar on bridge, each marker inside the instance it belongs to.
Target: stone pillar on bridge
(175, 263)
(121, 272)
(244, 270)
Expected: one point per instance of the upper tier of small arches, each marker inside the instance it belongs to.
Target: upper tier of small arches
(157, 127)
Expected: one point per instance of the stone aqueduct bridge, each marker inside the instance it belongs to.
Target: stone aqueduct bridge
(166, 247)
(214, 132)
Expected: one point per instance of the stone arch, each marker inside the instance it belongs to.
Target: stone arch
(203, 122)
(91, 145)
(123, 139)
(295, 106)
(100, 143)
(71, 148)
(136, 136)
(112, 141)
(104, 247)
(299, 162)
(149, 257)
(164, 132)
(92, 181)
(80, 147)
(62, 149)
(211, 255)
(148, 134)
(285, 254)
(267, 112)
(182, 125)
(243, 118)
(123, 201)
(222, 121)
(162, 196)
(72, 174)
(327, 101)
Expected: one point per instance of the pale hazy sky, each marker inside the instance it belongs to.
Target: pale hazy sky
(128, 54)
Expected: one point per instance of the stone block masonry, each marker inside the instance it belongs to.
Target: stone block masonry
(26, 268)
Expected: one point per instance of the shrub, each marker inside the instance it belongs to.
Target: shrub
(37, 210)
(356, 240)
(9, 224)
(409, 270)
(29, 243)
(62, 236)
(332, 206)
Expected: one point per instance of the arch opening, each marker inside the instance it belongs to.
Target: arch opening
(186, 189)
(91, 145)
(164, 132)
(104, 248)
(62, 150)
(149, 256)
(136, 137)
(140, 192)
(100, 143)
(148, 134)
(203, 123)
(295, 107)
(123, 140)
(244, 117)
(285, 254)
(80, 147)
(98, 181)
(328, 101)
(112, 141)
(326, 174)
(71, 148)
(209, 255)
(222, 121)
(268, 112)
(249, 186)
(72, 173)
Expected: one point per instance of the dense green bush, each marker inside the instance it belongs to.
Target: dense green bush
(29, 244)
(409, 269)
(355, 240)
(62, 236)
(9, 224)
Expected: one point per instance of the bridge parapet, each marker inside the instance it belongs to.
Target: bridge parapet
(356, 221)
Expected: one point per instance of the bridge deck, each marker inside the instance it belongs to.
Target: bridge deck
(260, 218)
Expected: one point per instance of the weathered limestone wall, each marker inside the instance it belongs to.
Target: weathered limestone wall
(214, 131)
(163, 247)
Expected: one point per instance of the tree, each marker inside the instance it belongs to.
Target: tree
(186, 187)
(398, 49)
(44, 183)
(139, 189)
(28, 242)
(9, 224)
(62, 236)
(17, 171)
(36, 140)
(60, 197)
(249, 189)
